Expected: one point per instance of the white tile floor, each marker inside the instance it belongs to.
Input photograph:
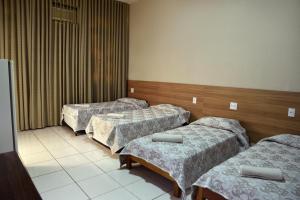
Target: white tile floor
(65, 166)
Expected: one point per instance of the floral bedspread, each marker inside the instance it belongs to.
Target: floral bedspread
(116, 132)
(77, 116)
(282, 151)
(203, 147)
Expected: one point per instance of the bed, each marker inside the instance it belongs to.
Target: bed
(225, 182)
(115, 131)
(206, 143)
(77, 116)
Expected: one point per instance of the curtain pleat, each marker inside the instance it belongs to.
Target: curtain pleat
(78, 60)
(110, 22)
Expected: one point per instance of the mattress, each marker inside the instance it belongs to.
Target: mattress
(115, 132)
(77, 116)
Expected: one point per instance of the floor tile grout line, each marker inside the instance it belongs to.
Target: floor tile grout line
(104, 172)
(71, 143)
(94, 161)
(42, 143)
(137, 196)
(110, 190)
(31, 163)
(118, 181)
(84, 178)
(54, 158)
(107, 173)
(121, 186)
(46, 150)
(91, 162)
(78, 153)
(46, 174)
(63, 169)
(49, 151)
(31, 133)
(160, 196)
(108, 156)
(93, 142)
(124, 187)
(70, 176)
(53, 172)
(55, 188)
(32, 153)
(131, 192)
(77, 184)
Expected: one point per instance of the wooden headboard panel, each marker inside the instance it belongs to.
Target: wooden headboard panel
(262, 112)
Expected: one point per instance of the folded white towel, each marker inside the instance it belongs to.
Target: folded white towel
(167, 138)
(116, 115)
(261, 172)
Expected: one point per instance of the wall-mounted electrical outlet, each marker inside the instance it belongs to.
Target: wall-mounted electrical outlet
(194, 100)
(131, 90)
(291, 112)
(233, 106)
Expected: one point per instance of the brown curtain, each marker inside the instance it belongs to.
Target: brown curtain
(75, 54)
(105, 37)
(64, 77)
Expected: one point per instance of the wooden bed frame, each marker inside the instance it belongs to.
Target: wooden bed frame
(204, 193)
(133, 159)
(201, 193)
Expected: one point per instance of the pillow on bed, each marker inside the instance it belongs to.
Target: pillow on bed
(137, 102)
(231, 125)
(292, 140)
(170, 107)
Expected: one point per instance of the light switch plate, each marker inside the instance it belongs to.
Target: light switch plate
(233, 106)
(194, 100)
(131, 90)
(291, 112)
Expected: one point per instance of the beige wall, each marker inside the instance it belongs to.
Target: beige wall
(240, 43)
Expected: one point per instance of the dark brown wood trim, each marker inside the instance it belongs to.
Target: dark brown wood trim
(204, 193)
(15, 182)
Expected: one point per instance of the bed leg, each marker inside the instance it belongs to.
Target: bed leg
(199, 194)
(128, 163)
(176, 190)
